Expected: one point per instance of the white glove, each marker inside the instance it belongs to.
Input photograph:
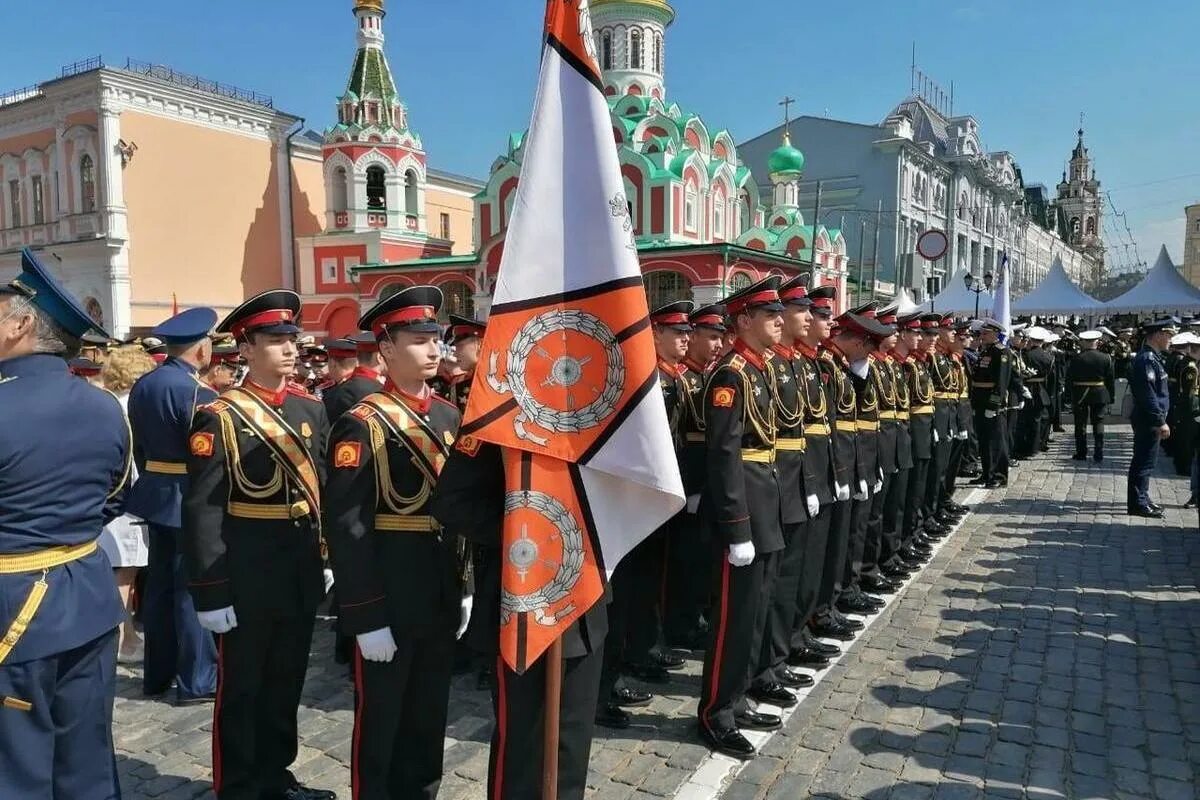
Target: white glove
(693, 503)
(989, 414)
(327, 575)
(878, 487)
(814, 505)
(841, 491)
(861, 492)
(466, 605)
(1020, 405)
(1028, 395)
(377, 645)
(936, 438)
(223, 620)
(963, 435)
(741, 554)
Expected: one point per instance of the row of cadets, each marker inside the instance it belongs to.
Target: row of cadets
(990, 387)
(161, 406)
(365, 379)
(1091, 377)
(772, 678)
(404, 586)
(687, 582)
(745, 508)
(251, 540)
(454, 378)
(638, 601)
(61, 610)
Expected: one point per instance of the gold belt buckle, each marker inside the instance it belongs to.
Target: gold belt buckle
(298, 509)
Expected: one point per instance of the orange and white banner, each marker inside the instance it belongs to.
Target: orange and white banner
(566, 380)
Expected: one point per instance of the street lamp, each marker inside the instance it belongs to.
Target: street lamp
(973, 285)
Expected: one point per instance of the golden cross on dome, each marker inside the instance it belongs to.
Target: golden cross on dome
(786, 102)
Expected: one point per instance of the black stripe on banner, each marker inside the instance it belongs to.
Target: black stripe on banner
(522, 641)
(650, 383)
(634, 329)
(583, 69)
(526, 470)
(589, 524)
(566, 297)
(488, 418)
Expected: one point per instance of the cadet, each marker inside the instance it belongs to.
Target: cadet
(403, 586)
(251, 533)
(913, 354)
(1091, 377)
(161, 406)
(989, 397)
(1037, 411)
(1148, 385)
(61, 481)
(366, 378)
(1183, 433)
(744, 504)
(879, 555)
(464, 335)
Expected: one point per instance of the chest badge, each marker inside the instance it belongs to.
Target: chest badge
(305, 430)
(448, 438)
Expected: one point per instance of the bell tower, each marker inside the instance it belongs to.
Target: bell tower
(374, 163)
(1079, 198)
(631, 45)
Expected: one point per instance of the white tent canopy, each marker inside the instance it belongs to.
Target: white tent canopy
(1163, 289)
(956, 298)
(904, 302)
(1057, 294)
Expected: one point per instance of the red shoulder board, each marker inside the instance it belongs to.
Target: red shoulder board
(300, 391)
(217, 406)
(361, 411)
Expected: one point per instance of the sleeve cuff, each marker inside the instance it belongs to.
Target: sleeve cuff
(212, 595)
(364, 616)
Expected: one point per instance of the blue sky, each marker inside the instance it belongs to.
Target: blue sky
(466, 68)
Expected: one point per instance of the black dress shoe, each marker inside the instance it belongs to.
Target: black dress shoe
(854, 605)
(817, 646)
(794, 680)
(299, 792)
(667, 660)
(758, 720)
(847, 622)
(995, 484)
(649, 673)
(629, 697)
(918, 546)
(959, 508)
(729, 741)
(612, 716)
(879, 585)
(895, 573)
(935, 528)
(773, 693)
(977, 481)
(195, 700)
(1155, 507)
(1059, 429)
(1098, 457)
(1146, 512)
(807, 657)
(832, 630)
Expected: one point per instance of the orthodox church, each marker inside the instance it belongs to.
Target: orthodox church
(702, 228)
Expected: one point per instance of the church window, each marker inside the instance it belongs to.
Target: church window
(1075, 227)
(376, 189)
(719, 217)
(339, 189)
(689, 208)
(410, 193)
(658, 53)
(635, 49)
(459, 299)
(665, 286)
(87, 184)
(739, 281)
(14, 202)
(329, 270)
(746, 210)
(37, 200)
(606, 50)
(962, 206)
(1091, 226)
(444, 227)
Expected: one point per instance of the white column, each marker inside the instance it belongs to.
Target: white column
(358, 201)
(393, 185)
(112, 187)
(62, 171)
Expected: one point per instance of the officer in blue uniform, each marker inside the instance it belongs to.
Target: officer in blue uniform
(161, 406)
(61, 481)
(1151, 404)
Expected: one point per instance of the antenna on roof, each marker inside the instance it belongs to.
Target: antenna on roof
(912, 70)
(952, 98)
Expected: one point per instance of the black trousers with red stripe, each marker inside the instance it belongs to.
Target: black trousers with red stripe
(835, 556)
(260, 674)
(808, 589)
(740, 606)
(515, 762)
(400, 719)
(782, 606)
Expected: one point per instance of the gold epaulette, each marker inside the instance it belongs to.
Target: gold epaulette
(737, 362)
(217, 406)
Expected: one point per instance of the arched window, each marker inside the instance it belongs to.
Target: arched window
(665, 287)
(390, 289)
(340, 192)
(606, 50)
(719, 216)
(459, 299)
(376, 190)
(1075, 227)
(658, 53)
(962, 206)
(410, 193)
(689, 207)
(635, 49)
(1091, 226)
(87, 184)
(739, 281)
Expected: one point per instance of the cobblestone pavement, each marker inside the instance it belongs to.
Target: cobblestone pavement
(1050, 649)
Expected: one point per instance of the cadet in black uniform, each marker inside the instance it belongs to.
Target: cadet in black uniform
(1148, 384)
(1037, 410)
(989, 398)
(403, 585)
(744, 502)
(469, 501)
(913, 351)
(1091, 377)
(464, 335)
(366, 378)
(251, 536)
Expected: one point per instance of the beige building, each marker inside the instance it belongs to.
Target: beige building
(142, 187)
(1191, 244)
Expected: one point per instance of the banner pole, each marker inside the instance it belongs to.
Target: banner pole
(554, 676)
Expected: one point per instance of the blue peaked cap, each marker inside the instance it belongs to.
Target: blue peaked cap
(44, 291)
(186, 326)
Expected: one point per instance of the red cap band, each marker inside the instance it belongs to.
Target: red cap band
(407, 314)
(794, 293)
(822, 302)
(708, 319)
(342, 352)
(261, 320)
(759, 298)
(465, 331)
(889, 319)
(913, 324)
(931, 324)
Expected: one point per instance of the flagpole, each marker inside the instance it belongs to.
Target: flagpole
(554, 676)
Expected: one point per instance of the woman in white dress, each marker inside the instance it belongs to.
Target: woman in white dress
(124, 539)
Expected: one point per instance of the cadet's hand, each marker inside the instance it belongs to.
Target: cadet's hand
(1164, 431)
(327, 576)
(377, 645)
(465, 619)
(989, 414)
(861, 492)
(936, 438)
(878, 487)
(741, 554)
(814, 505)
(1028, 395)
(223, 620)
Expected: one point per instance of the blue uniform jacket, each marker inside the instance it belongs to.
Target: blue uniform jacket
(1148, 382)
(161, 406)
(64, 461)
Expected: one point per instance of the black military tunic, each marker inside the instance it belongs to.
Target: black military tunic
(1091, 378)
(867, 471)
(454, 388)
(989, 398)
(884, 380)
(842, 410)
(744, 500)
(945, 418)
(921, 427)
(1184, 432)
(340, 397)
(1036, 414)
(251, 534)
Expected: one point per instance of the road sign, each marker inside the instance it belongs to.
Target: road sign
(932, 244)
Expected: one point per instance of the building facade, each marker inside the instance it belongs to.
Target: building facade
(1191, 244)
(702, 225)
(921, 169)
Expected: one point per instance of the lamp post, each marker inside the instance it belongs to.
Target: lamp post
(973, 285)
